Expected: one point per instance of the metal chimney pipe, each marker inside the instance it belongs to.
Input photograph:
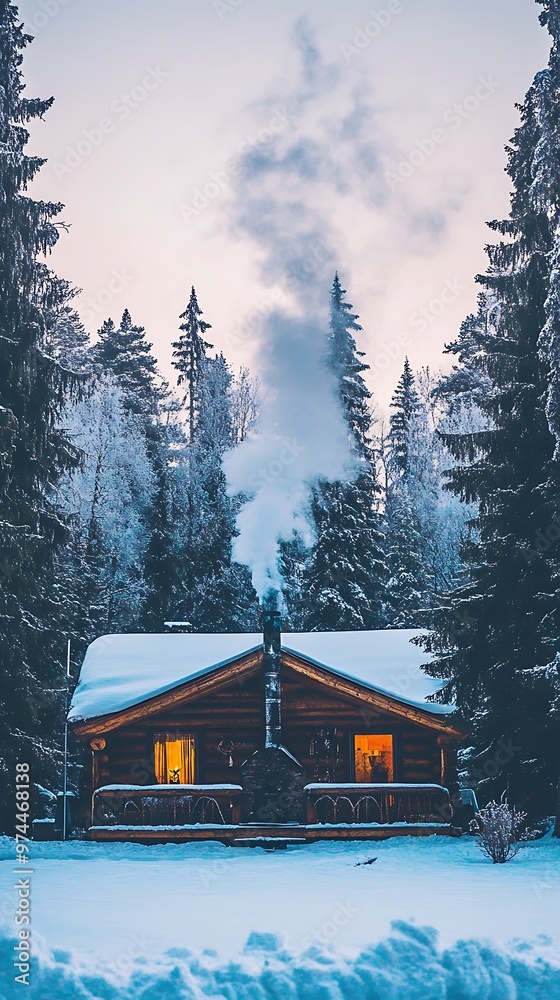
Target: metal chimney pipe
(272, 623)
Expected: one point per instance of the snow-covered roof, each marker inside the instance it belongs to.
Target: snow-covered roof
(120, 671)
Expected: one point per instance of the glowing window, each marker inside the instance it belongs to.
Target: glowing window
(174, 759)
(374, 759)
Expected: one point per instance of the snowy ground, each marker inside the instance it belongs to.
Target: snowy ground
(131, 904)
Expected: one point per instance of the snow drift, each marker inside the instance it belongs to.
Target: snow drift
(408, 965)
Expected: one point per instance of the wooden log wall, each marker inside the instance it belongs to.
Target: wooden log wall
(236, 713)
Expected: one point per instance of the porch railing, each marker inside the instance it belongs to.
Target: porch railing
(384, 804)
(221, 805)
(166, 805)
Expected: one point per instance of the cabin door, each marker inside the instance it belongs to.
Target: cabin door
(174, 756)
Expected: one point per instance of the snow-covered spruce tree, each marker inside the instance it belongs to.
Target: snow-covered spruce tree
(162, 561)
(497, 638)
(34, 452)
(468, 384)
(406, 593)
(345, 581)
(106, 502)
(66, 339)
(406, 406)
(293, 562)
(415, 461)
(126, 356)
(410, 583)
(214, 594)
(125, 353)
(189, 354)
(443, 518)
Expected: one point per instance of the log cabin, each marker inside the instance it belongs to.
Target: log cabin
(247, 738)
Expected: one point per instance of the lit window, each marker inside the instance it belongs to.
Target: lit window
(374, 759)
(174, 759)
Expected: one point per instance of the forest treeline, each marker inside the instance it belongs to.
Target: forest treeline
(114, 508)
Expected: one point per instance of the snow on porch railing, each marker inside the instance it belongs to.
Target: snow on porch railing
(166, 805)
(389, 803)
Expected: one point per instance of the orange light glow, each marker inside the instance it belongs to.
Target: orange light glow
(174, 759)
(374, 759)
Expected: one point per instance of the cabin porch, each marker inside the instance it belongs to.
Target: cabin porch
(220, 812)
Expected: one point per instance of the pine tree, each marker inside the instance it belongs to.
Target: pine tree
(344, 361)
(106, 503)
(407, 595)
(345, 580)
(497, 638)
(126, 355)
(406, 406)
(468, 384)
(66, 339)
(293, 563)
(410, 506)
(213, 593)
(214, 430)
(34, 451)
(189, 354)
(162, 562)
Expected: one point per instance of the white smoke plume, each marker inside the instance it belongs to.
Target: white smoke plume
(302, 435)
(279, 205)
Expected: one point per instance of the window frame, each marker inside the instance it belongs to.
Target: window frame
(177, 734)
(378, 731)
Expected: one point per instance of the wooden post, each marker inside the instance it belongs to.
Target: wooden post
(311, 810)
(448, 760)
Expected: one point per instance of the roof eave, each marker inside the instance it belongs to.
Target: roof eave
(248, 664)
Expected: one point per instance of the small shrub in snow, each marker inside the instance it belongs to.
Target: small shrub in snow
(499, 831)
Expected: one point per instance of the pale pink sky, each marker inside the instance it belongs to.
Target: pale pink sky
(153, 100)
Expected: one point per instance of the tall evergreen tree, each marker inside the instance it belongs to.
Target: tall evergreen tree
(468, 384)
(497, 638)
(66, 339)
(406, 405)
(407, 595)
(189, 354)
(106, 503)
(126, 354)
(34, 451)
(162, 561)
(345, 580)
(409, 492)
(217, 593)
